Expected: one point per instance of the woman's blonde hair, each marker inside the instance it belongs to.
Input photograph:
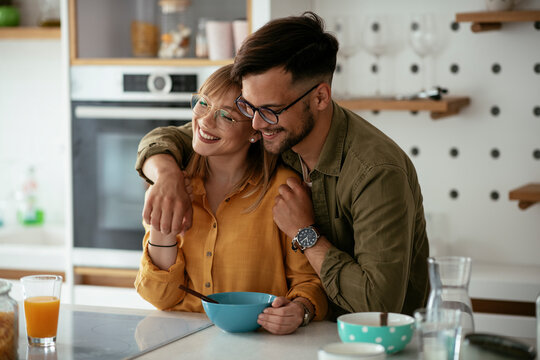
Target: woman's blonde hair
(261, 165)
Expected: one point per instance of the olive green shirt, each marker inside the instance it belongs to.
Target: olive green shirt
(367, 203)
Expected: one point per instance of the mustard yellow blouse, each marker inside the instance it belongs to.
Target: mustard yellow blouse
(231, 251)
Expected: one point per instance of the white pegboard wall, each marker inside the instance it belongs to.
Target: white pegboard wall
(468, 163)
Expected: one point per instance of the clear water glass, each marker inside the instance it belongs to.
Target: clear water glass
(439, 333)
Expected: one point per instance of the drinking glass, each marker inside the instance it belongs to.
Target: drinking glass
(342, 27)
(439, 333)
(376, 40)
(449, 278)
(425, 39)
(41, 295)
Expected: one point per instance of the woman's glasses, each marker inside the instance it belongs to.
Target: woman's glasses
(201, 107)
(268, 115)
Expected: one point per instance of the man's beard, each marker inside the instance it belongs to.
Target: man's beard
(293, 139)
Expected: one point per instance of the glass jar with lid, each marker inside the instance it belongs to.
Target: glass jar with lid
(49, 13)
(175, 33)
(9, 323)
(144, 30)
(201, 41)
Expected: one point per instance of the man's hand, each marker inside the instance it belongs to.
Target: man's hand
(284, 317)
(293, 208)
(167, 204)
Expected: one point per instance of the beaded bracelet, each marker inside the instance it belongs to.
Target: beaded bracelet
(163, 246)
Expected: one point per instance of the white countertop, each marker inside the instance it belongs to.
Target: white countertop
(198, 342)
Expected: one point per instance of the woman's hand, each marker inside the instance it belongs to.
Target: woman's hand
(284, 317)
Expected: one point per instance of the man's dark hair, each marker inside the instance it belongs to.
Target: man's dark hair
(299, 44)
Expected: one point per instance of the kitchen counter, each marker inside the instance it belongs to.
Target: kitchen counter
(104, 332)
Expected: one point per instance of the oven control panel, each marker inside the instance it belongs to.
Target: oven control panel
(160, 83)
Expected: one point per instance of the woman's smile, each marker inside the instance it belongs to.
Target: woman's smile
(207, 137)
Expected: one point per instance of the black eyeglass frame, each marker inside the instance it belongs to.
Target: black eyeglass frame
(276, 113)
(197, 96)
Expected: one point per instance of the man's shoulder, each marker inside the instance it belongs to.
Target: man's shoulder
(369, 144)
(366, 147)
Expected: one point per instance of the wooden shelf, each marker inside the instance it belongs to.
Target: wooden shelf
(438, 108)
(150, 61)
(527, 195)
(29, 33)
(492, 20)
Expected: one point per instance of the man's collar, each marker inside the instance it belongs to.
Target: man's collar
(329, 162)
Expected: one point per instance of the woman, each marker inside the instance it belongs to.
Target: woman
(233, 244)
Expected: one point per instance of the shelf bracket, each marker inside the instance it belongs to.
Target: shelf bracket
(525, 204)
(439, 115)
(485, 26)
(526, 195)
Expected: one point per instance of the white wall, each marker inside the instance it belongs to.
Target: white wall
(472, 224)
(32, 123)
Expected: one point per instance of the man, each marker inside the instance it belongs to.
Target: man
(358, 216)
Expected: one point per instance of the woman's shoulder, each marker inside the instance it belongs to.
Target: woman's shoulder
(283, 173)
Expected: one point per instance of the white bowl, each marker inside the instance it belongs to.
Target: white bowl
(352, 351)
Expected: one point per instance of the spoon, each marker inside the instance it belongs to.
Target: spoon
(384, 319)
(197, 294)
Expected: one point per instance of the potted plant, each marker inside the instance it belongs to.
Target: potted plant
(9, 14)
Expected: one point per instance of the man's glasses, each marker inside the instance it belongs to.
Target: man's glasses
(201, 107)
(268, 115)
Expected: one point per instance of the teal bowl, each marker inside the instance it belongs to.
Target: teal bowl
(365, 327)
(237, 311)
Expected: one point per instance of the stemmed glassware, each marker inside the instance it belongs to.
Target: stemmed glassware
(342, 27)
(425, 39)
(376, 41)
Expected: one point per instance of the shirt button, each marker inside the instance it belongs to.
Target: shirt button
(214, 225)
(207, 285)
(208, 253)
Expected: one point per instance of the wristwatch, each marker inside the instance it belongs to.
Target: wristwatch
(305, 238)
(307, 313)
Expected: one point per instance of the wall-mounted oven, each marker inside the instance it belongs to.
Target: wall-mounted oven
(112, 109)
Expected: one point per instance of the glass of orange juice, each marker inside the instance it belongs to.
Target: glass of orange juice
(41, 295)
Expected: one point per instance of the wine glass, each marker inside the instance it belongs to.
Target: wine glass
(376, 40)
(342, 27)
(425, 39)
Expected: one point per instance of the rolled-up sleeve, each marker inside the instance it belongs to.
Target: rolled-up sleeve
(173, 140)
(376, 277)
(160, 287)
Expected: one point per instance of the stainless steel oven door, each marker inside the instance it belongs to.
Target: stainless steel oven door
(107, 192)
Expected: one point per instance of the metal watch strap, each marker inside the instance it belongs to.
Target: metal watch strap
(307, 314)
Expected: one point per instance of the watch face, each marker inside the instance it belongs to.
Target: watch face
(307, 237)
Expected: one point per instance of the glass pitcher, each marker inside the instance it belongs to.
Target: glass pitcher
(449, 278)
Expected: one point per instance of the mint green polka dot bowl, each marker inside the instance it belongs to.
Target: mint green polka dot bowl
(365, 327)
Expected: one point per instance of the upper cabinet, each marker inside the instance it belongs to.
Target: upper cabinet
(101, 31)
